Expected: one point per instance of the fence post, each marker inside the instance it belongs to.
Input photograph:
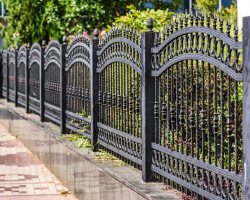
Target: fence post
(63, 80)
(1, 73)
(15, 76)
(147, 100)
(94, 78)
(7, 78)
(42, 80)
(27, 79)
(246, 108)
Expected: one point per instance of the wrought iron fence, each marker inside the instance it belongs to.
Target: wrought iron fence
(170, 103)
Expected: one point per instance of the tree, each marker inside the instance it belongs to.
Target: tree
(37, 20)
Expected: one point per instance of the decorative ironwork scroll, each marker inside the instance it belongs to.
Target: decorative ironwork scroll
(34, 77)
(119, 68)
(52, 81)
(198, 118)
(78, 99)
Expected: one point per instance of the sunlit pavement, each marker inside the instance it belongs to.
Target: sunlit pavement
(23, 176)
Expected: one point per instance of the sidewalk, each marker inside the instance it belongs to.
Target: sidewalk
(23, 176)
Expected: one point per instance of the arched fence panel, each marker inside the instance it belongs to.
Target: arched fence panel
(52, 82)
(21, 65)
(11, 78)
(34, 78)
(119, 98)
(4, 74)
(198, 115)
(78, 91)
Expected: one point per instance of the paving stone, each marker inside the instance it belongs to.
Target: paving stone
(22, 174)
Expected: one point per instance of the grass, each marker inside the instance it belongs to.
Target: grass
(103, 155)
(81, 141)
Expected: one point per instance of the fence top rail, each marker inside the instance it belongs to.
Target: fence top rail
(35, 54)
(119, 40)
(4, 56)
(35, 46)
(199, 29)
(12, 50)
(78, 38)
(120, 31)
(71, 47)
(21, 57)
(189, 39)
(22, 49)
(52, 43)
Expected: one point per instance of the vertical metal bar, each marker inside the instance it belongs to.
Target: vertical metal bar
(15, 77)
(215, 118)
(147, 101)
(7, 78)
(246, 108)
(42, 83)
(63, 79)
(1, 73)
(27, 79)
(94, 88)
(222, 120)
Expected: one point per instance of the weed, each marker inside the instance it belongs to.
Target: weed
(105, 156)
(66, 192)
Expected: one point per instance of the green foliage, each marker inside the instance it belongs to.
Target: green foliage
(24, 22)
(79, 140)
(83, 142)
(174, 5)
(210, 5)
(138, 19)
(39, 20)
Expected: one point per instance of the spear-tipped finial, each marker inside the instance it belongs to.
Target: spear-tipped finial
(28, 46)
(171, 25)
(176, 23)
(214, 19)
(181, 20)
(228, 25)
(202, 17)
(64, 39)
(17, 48)
(96, 33)
(150, 24)
(43, 43)
(221, 22)
(167, 30)
(159, 37)
(196, 13)
(186, 18)
(235, 31)
(208, 18)
(163, 33)
(196, 17)
(191, 17)
(214, 16)
(8, 49)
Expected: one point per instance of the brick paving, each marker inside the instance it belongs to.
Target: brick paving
(23, 176)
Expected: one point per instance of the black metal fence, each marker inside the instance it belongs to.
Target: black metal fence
(170, 103)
